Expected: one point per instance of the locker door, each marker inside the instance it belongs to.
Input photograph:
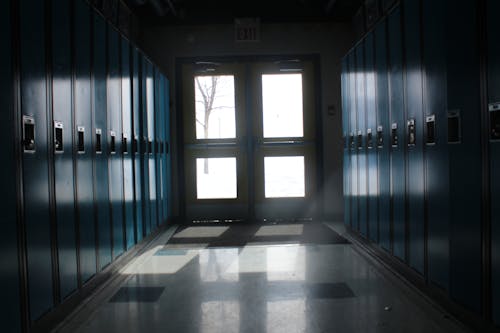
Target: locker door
(163, 155)
(63, 153)
(493, 100)
(9, 280)
(383, 135)
(114, 134)
(145, 152)
(158, 154)
(353, 148)
(168, 158)
(150, 114)
(361, 132)
(371, 125)
(346, 131)
(398, 140)
(436, 159)
(84, 140)
(137, 147)
(465, 153)
(128, 176)
(35, 157)
(101, 148)
(414, 130)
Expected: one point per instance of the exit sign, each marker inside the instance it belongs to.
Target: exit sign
(247, 29)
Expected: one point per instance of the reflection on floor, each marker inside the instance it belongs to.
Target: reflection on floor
(272, 278)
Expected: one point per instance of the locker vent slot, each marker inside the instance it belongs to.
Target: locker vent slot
(454, 131)
(98, 141)
(58, 137)
(28, 134)
(81, 140)
(113, 143)
(431, 129)
(495, 121)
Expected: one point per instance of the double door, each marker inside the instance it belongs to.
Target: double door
(249, 140)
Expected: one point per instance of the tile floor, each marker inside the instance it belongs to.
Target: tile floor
(258, 287)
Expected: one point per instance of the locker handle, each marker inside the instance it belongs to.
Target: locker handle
(394, 135)
(98, 141)
(494, 109)
(431, 130)
(28, 134)
(351, 141)
(113, 143)
(380, 137)
(369, 138)
(360, 140)
(81, 139)
(150, 147)
(125, 144)
(412, 139)
(58, 137)
(167, 148)
(134, 145)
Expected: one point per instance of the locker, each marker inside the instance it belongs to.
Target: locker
(150, 114)
(346, 131)
(371, 129)
(493, 99)
(10, 306)
(137, 147)
(101, 150)
(465, 153)
(398, 142)
(436, 159)
(115, 161)
(353, 148)
(146, 206)
(84, 140)
(36, 143)
(414, 131)
(168, 158)
(157, 123)
(128, 176)
(163, 156)
(361, 147)
(383, 135)
(63, 152)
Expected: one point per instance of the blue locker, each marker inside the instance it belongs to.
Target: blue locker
(150, 116)
(398, 142)
(115, 164)
(383, 137)
(494, 98)
(436, 151)
(414, 133)
(168, 159)
(163, 140)
(128, 172)
(63, 152)
(371, 126)
(101, 149)
(346, 131)
(465, 153)
(352, 139)
(137, 147)
(158, 138)
(9, 308)
(35, 157)
(361, 147)
(84, 140)
(146, 207)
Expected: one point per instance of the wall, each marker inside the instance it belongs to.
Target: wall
(330, 41)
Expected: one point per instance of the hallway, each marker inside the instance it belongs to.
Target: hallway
(301, 277)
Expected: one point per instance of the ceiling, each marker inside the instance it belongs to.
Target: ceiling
(167, 12)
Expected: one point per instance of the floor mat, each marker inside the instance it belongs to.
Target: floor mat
(239, 235)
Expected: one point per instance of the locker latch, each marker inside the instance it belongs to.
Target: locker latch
(58, 137)
(98, 141)
(113, 142)
(125, 144)
(494, 109)
(411, 132)
(380, 137)
(369, 138)
(28, 134)
(430, 124)
(360, 140)
(394, 135)
(81, 139)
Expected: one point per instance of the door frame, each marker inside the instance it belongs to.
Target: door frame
(180, 175)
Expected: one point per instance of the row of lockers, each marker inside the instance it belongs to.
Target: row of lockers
(418, 137)
(86, 168)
